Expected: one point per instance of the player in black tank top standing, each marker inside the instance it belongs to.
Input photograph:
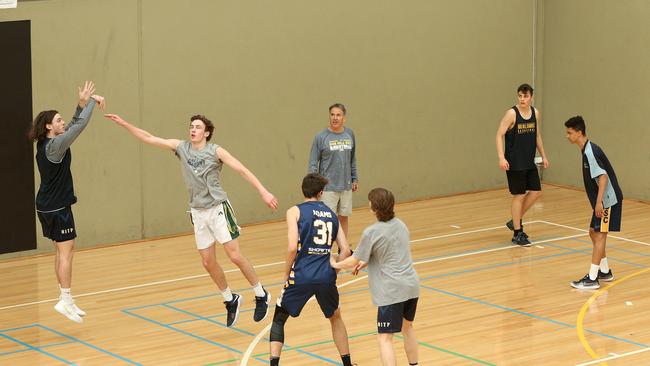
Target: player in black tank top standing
(520, 127)
(56, 192)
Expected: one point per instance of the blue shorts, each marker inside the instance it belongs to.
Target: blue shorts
(294, 297)
(390, 317)
(58, 225)
(611, 220)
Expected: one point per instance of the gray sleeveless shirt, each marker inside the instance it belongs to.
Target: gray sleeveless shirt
(201, 170)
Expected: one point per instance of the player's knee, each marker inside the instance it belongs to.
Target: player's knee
(277, 326)
(335, 316)
(208, 263)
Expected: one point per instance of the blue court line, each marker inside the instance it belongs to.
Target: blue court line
(126, 311)
(200, 297)
(588, 252)
(88, 345)
(28, 349)
(17, 328)
(245, 332)
(251, 309)
(37, 349)
(529, 315)
(497, 265)
(615, 247)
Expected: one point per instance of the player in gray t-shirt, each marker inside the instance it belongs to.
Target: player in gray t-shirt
(394, 284)
(212, 215)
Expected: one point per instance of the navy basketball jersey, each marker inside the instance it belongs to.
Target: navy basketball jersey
(317, 229)
(521, 141)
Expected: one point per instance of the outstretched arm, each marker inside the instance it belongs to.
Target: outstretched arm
(237, 166)
(540, 145)
(506, 123)
(143, 135)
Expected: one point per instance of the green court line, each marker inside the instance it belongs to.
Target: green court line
(374, 333)
(453, 353)
(315, 344)
(222, 362)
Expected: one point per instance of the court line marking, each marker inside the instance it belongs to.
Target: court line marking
(611, 236)
(585, 306)
(261, 334)
(37, 349)
(162, 282)
(614, 357)
(258, 337)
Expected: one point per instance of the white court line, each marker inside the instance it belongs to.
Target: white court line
(205, 274)
(255, 341)
(134, 286)
(273, 264)
(614, 357)
(466, 232)
(586, 231)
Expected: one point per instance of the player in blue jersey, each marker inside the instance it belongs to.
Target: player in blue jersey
(312, 227)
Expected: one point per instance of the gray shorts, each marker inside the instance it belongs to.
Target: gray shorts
(339, 202)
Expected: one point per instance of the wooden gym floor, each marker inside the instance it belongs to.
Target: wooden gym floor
(482, 301)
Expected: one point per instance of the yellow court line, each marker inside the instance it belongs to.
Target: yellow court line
(583, 311)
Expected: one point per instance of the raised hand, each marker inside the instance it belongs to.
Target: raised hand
(101, 101)
(85, 93)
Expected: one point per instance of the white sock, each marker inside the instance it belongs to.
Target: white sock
(604, 266)
(66, 295)
(259, 290)
(227, 294)
(593, 271)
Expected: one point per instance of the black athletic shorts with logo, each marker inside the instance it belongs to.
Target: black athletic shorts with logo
(58, 225)
(390, 317)
(520, 181)
(611, 220)
(294, 297)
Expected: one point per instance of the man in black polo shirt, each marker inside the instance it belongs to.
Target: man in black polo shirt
(520, 127)
(606, 199)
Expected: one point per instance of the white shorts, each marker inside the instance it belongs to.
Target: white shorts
(214, 224)
(339, 202)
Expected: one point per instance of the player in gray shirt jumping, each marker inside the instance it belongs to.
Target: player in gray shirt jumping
(212, 215)
(394, 284)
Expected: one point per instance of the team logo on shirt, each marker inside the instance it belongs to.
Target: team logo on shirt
(340, 145)
(195, 162)
(527, 127)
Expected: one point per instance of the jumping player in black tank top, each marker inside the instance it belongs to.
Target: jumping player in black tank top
(56, 191)
(520, 127)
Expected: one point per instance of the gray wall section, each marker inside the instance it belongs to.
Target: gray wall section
(596, 59)
(425, 82)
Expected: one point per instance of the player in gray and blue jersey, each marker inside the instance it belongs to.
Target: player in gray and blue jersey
(605, 197)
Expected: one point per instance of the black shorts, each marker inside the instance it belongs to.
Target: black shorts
(611, 220)
(58, 225)
(294, 297)
(520, 181)
(390, 317)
